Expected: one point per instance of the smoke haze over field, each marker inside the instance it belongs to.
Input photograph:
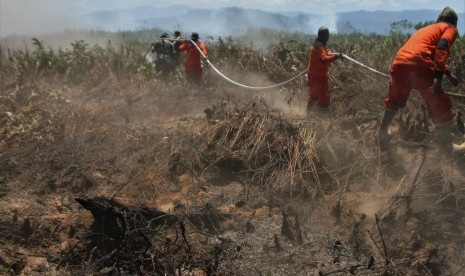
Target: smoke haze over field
(37, 17)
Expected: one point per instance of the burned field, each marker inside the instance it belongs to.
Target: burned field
(120, 173)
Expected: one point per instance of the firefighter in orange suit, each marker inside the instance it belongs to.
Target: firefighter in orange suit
(420, 64)
(193, 65)
(317, 76)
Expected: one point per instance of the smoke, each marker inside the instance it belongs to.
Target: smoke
(236, 21)
(329, 20)
(25, 17)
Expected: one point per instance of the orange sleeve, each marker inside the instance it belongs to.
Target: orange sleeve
(319, 61)
(183, 47)
(325, 56)
(203, 48)
(443, 49)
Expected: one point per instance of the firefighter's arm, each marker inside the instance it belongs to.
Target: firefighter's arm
(203, 49)
(325, 56)
(183, 47)
(452, 78)
(440, 60)
(443, 50)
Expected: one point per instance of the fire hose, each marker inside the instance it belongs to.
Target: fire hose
(243, 85)
(387, 76)
(300, 74)
(456, 147)
(366, 67)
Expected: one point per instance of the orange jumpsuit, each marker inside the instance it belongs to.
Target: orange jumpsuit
(193, 65)
(317, 78)
(415, 66)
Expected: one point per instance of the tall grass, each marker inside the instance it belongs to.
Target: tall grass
(269, 52)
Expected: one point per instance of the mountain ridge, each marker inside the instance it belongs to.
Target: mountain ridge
(236, 20)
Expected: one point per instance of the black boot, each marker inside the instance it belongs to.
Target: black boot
(323, 112)
(383, 135)
(310, 107)
(444, 138)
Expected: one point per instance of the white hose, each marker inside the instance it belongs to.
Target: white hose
(387, 76)
(300, 74)
(455, 147)
(279, 84)
(366, 67)
(243, 85)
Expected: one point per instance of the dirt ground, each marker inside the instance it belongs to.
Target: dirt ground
(136, 149)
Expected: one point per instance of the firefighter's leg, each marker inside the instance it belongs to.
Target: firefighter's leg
(198, 76)
(443, 137)
(399, 92)
(311, 100)
(439, 109)
(323, 97)
(383, 134)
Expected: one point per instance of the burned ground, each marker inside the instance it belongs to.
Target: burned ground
(128, 175)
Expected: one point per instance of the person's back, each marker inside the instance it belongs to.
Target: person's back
(420, 49)
(163, 48)
(193, 55)
(193, 62)
(317, 76)
(319, 59)
(164, 51)
(420, 65)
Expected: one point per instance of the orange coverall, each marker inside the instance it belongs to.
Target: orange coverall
(415, 66)
(317, 78)
(193, 65)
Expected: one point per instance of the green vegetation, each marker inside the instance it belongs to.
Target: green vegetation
(277, 55)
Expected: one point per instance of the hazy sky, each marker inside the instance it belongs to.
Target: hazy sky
(32, 16)
(289, 5)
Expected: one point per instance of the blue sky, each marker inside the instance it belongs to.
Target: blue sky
(32, 16)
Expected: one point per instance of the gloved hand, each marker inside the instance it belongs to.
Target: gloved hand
(436, 88)
(339, 56)
(452, 78)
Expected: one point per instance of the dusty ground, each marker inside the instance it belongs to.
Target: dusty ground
(360, 211)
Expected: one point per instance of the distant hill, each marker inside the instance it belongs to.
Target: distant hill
(133, 18)
(380, 21)
(234, 20)
(229, 21)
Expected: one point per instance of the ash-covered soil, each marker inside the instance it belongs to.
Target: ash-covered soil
(219, 181)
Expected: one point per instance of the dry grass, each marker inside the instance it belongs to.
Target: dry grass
(56, 138)
(266, 148)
